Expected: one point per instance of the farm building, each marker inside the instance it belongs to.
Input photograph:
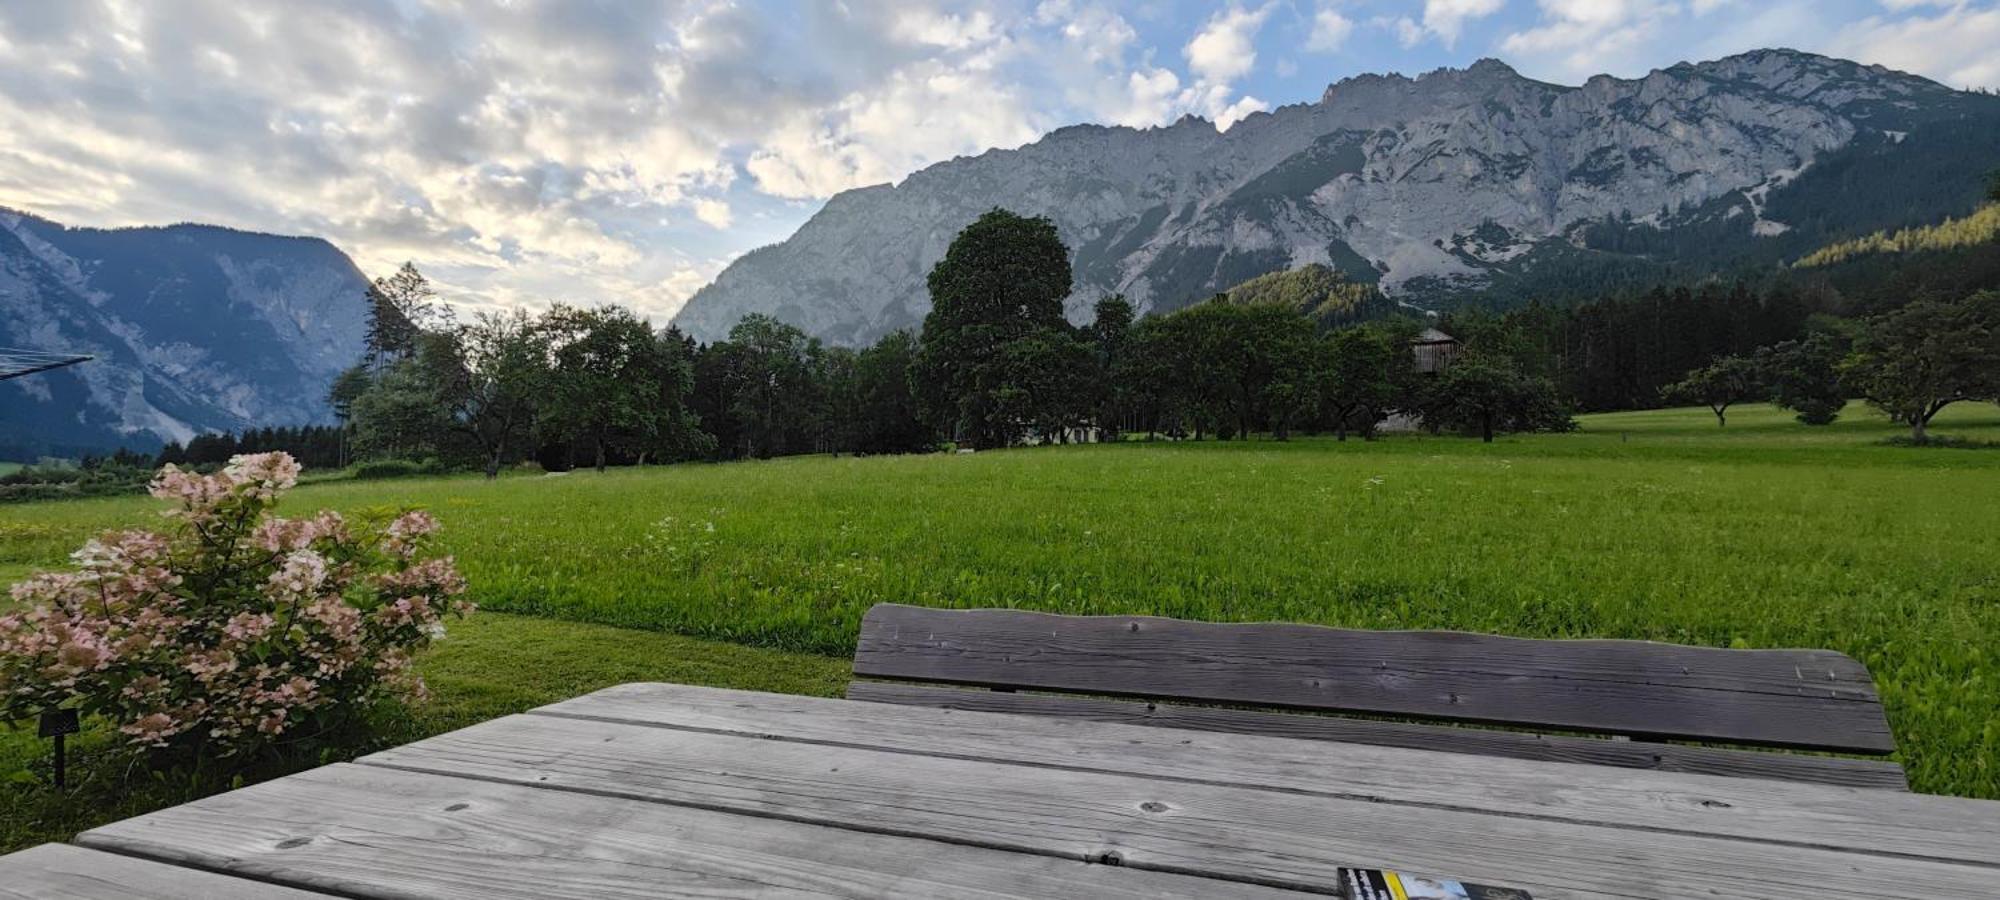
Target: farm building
(1430, 351)
(1433, 350)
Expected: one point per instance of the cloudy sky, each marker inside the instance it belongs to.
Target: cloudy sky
(522, 151)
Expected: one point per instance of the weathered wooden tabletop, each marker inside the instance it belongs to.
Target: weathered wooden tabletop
(648, 790)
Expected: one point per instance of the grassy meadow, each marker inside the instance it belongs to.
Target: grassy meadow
(1655, 525)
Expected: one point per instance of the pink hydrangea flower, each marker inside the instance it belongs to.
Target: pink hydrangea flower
(153, 729)
(233, 624)
(194, 492)
(407, 532)
(301, 574)
(245, 627)
(263, 475)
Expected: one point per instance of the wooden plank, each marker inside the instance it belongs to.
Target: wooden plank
(375, 832)
(1745, 808)
(1812, 699)
(63, 872)
(1222, 831)
(1844, 771)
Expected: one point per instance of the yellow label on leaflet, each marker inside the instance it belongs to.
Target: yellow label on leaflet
(1395, 885)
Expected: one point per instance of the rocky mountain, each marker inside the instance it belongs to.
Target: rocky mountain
(194, 328)
(1457, 184)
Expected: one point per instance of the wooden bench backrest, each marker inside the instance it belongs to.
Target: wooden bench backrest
(1812, 699)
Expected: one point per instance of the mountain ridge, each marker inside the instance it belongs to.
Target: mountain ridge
(195, 328)
(1437, 186)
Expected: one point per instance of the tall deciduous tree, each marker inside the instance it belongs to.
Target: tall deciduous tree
(1360, 375)
(1488, 394)
(398, 415)
(348, 387)
(401, 307)
(487, 376)
(1148, 378)
(672, 431)
(773, 396)
(1003, 279)
(887, 415)
(1719, 385)
(1917, 360)
(1046, 384)
(837, 420)
(1110, 334)
(1804, 376)
(614, 383)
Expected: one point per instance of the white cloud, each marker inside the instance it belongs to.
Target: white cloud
(1409, 32)
(1150, 98)
(1955, 45)
(1101, 34)
(1579, 38)
(1232, 113)
(923, 114)
(526, 150)
(1802, 24)
(1330, 30)
(923, 25)
(500, 147)
(519, 149)
(1444, 19)
(714, 212)
(1224, 49)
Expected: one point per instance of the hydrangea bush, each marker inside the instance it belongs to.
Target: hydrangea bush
(232, 628)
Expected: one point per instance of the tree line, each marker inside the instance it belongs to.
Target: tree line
(1618, 353)
(997, 363)
(314, 446)
(1911, 363)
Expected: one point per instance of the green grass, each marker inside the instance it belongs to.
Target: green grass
(491, 665)
(9, 468)
(1654, 525)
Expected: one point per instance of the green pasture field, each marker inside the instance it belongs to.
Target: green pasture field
(1655, 525)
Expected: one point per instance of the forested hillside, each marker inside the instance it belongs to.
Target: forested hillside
(1982, 227)
(1321, 293)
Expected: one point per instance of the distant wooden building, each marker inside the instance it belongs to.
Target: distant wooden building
(1433, 350)
(1430, 353)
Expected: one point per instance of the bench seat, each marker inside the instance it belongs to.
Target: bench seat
(1638, 695)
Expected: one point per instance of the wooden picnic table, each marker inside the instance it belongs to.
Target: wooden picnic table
(648, 790)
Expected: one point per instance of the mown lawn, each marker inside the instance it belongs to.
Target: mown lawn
(1653, 525)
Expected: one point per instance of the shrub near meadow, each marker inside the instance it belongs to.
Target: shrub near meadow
(234, 628)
